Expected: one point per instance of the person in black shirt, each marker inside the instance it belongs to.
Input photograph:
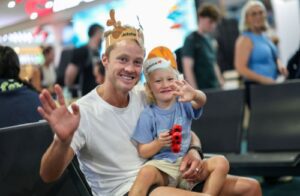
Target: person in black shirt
(293, 66)
(83, 61)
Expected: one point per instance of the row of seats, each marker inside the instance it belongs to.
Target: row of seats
(273, 141)
(21, 150)
(272, 136)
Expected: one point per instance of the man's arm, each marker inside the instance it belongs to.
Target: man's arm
(64, 124)
(219, 75)
(188, 64)
(195, 142)
(70, 74)
(55, 160)
(191, 160)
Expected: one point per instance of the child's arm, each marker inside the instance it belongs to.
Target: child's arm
(150, 149)
(199, 99)
(187, 93)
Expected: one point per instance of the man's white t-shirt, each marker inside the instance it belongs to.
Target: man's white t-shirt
(107, 155)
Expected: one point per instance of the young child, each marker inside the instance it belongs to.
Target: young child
(172, 102)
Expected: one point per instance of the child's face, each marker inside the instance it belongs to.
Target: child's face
(160, 82)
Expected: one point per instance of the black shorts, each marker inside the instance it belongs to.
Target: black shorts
(199, 187)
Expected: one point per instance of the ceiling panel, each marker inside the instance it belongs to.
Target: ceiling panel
(10, 16)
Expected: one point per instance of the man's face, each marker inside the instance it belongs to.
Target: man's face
(124, 65)
(208, 24)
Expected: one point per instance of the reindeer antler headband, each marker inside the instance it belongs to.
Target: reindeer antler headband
(120, 32)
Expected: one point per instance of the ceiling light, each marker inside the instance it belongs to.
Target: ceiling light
(17, 49)
(49, 4)
(11, 4)
(33, 15)
(60, 5)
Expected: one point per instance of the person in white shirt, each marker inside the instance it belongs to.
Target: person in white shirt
(48, 72)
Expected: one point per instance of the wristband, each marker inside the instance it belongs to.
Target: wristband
(199, 150)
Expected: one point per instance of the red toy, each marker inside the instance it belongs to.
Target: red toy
(176, 138)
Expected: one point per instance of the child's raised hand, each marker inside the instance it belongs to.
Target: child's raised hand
(164, 139)
(184, 90)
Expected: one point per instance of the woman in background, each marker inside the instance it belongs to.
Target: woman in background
(256, 57)
(18, 99)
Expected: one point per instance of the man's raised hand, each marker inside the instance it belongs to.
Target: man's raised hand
(62, 121)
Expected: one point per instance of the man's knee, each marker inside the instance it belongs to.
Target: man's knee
(221, 164)
(236, 185)
(251, 187)
(255, 187)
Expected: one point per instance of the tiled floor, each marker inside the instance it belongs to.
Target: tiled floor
(283, 188)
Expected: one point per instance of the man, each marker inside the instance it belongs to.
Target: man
(84, 60)
(100, 133)
(198, 53)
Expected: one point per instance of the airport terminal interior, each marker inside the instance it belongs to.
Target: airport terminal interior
(250, 118)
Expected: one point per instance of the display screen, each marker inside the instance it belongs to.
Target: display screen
(164, 22)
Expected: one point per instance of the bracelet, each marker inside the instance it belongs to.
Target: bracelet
(198, 149)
